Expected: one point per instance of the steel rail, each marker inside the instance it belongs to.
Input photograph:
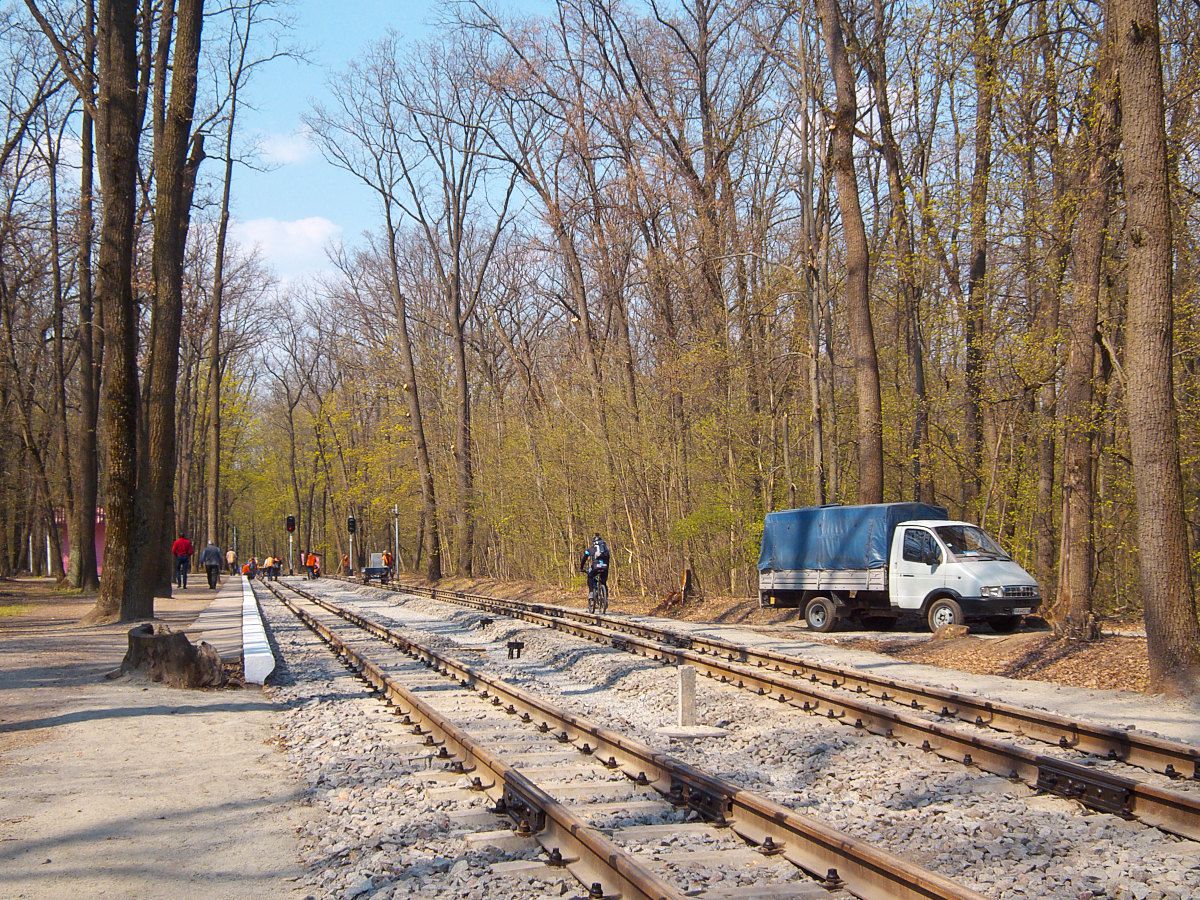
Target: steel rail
(589, 855)
(829, 855)
(1169, 810)
(1174, 759)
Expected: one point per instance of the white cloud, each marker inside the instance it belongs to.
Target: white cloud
(291, 247)
(286, 149)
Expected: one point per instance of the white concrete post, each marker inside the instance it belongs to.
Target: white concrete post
(687, 696)
(396, 536)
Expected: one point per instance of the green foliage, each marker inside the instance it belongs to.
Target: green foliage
(708, 522)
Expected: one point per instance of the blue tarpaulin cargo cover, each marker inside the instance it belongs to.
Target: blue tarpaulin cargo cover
(835, 537)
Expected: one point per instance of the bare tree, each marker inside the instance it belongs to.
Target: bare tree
(246, 18)
(83, 571)
(906, 256)
(1097, 147)
(175, 170)
(360, 135)
(119, 123)
(858, 301)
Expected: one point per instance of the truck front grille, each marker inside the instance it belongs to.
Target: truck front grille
(1021, 591)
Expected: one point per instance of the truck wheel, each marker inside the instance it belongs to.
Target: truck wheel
(1004, 624)
(820, 615)
(944, 612)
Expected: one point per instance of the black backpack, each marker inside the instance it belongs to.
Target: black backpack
(600, 551)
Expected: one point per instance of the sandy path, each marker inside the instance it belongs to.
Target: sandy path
(128, 789)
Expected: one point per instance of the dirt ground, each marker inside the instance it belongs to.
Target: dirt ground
(1112, 663)
(127, 788)
(722, 610)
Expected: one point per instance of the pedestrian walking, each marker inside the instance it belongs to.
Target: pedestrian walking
(182, 551)
(345, 563)
(267, 566)
(210, 558)
(231, 561)
(310, 563)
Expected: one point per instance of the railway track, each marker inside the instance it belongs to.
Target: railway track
(927, 717)
(464, 714)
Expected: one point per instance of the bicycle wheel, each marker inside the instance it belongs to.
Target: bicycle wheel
(602, 598)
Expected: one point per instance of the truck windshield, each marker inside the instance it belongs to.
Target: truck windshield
(970, 541)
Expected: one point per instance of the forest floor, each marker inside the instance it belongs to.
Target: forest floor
(125, 787)
(1115, 662)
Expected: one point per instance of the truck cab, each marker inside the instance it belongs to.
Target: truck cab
(953, 572)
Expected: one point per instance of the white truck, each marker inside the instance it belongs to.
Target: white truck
(871, 564)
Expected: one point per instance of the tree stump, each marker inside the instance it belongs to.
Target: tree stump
(689, 585)
(168, 656)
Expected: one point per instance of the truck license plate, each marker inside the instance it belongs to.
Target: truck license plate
(1022, 610)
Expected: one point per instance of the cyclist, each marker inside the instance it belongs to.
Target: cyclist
(594, 564)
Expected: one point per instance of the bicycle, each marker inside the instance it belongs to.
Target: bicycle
(598, 599)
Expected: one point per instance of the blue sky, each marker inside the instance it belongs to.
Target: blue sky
(291, 211)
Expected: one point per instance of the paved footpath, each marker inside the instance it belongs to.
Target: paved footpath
(127, 788)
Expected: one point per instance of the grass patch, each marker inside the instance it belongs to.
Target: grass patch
(14, 609)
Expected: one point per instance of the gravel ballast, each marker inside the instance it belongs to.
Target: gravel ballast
(374, 829)
(991, 834)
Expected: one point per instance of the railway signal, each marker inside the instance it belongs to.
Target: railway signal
(290, 524)
(351, 526)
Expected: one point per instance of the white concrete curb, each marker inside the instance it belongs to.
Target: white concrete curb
(257, 659)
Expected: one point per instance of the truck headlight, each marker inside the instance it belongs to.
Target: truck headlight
(991, 590)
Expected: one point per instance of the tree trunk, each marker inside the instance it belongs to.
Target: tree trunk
(175, 175)
(1073, 613)
(432, 539)
(118, 126)
(53, 147)
(906, 261)
(1047, 284)
(983, 53)
(212, 481)
(83, 572)
(1163, 560)
(858, 303)
(464, 524)
(82, 532)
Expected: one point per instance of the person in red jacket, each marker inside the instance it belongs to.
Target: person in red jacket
(182, 551)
